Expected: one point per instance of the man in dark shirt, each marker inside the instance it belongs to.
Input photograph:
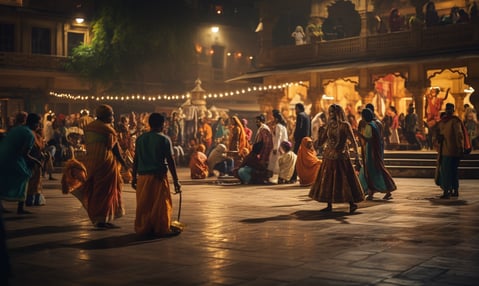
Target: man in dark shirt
(301, 130)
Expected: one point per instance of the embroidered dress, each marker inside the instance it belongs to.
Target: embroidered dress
(336, 181)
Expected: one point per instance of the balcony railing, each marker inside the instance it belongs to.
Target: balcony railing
(32, 62)
(415, 42)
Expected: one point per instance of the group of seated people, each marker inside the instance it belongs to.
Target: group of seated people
(249, 169)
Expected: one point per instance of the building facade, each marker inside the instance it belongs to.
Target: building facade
(37, 37)
(367, 54)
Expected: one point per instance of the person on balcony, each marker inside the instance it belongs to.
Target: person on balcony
(314, 31)
(299, 36)
(396, 21)
(432, 18)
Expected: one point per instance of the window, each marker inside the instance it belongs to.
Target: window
(7, 32)
(74, 40)
(41, 41)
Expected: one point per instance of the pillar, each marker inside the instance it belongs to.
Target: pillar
(366, 95)
(474, 83)
(315, 95)
(459, 102)
(272, 99)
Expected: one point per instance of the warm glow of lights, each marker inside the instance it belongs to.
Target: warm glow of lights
(228, 54)
(198, 48)
(79, 20)
(141, 97)
(215, 29)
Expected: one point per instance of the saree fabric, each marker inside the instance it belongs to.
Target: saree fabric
(238, 140)
(307, 162)
(336, 181)
(198, 165)
(374, 176)
(154, 205)
(101, 193)
(14, 170)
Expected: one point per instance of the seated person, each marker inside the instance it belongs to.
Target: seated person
(252, 170)
(286, 162)
(198, 165)
(218, 160)
(307, 162)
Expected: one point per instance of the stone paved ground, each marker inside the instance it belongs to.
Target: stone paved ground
(256, 235)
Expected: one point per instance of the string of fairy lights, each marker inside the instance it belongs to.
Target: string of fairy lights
(173, 97)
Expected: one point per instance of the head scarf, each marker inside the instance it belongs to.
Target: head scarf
(286, 145)
(216, 155)
(307, 163)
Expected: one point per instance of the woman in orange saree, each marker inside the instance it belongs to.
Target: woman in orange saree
(307, 162)
(101, 193)
(198, 165)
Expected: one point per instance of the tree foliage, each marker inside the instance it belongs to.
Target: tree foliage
(137, 44)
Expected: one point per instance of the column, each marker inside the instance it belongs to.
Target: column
(269, 100)
(315, 95)
(459, 102)
(366, 95)
(474, 83)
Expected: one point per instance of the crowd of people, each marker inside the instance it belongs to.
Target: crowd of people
(339, 158)
(339, 161)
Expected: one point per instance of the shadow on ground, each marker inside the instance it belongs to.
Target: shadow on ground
(305, 215)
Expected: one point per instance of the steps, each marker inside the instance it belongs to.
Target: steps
(422, 164)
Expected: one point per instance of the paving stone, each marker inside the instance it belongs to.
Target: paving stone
(255, 235)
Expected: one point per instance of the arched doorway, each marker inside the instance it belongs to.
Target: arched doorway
(343, 21)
